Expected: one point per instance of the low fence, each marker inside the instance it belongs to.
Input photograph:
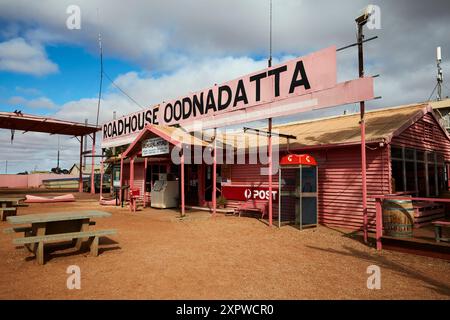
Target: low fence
(28, 180)
(379, 211)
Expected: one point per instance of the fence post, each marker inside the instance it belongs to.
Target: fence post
(379, 222)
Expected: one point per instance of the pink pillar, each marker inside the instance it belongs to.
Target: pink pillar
(80, 176)
(214, 193)
(270, 171)
(121, 178)
(363, 172)
(182, 180)
(131, 173)
(101, 179)
(379, 223)
(145, 181)
(93, 163)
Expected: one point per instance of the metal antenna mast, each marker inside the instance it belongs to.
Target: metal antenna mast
(440, 77)
(270, 35)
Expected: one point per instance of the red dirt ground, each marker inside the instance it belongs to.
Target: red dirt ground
(156, 256)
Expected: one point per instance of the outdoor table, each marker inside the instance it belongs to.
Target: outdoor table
(10, 201)
(58, 226)
(9, 204)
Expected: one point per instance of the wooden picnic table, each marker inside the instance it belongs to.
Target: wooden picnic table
(9, 206)
(11, 200)
(57, 226)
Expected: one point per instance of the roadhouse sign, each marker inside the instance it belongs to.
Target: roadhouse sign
(297, 77)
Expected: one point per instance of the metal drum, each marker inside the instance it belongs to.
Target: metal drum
(398, 218)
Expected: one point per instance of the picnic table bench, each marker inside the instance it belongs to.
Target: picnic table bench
(60, 226)
(438, 225)
(8, 206)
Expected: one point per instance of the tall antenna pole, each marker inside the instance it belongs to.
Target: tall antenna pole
(270, 35)
(440, 77)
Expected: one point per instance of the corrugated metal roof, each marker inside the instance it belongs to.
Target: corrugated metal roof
(381, 124)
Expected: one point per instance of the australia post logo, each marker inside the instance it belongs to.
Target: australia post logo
(259, 194)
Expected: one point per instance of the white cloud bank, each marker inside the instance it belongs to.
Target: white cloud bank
(18, 55)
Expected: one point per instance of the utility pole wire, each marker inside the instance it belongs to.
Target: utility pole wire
(121, 90)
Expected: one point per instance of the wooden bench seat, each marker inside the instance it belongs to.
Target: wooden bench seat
(5, 212)
(93, 237)
(28, 229)
(258, 206)
(438, 225)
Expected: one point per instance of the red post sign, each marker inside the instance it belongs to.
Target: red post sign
(244, 193)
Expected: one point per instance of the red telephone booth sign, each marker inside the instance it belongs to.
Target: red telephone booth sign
(298, 159)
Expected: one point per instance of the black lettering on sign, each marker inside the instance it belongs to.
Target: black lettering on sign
(114, 129)
(276, 72)
(187, 107)
(148, 117)
(257, 78)
(155, 115)
(241, 95)
(120, 127)
(198, 104)
(134, 123)
(303, 81)
(177, 110)
(105, 131)
(221, 104)
(168, 113)
(127, 125)
(210, 102)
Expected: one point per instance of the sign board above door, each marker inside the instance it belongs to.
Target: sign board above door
(154, 146)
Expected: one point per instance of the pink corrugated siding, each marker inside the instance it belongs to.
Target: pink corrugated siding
(340, 198)
(426, 135)
(138, 175)
(339, 189)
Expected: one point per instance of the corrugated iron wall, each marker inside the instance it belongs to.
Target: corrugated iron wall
(424, 134)
(340, 197)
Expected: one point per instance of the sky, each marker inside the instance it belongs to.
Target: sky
(159, 50)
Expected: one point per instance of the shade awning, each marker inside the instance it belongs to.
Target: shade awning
(32, 123)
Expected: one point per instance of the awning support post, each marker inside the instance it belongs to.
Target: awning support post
(80, 176)
(101, 179)
(145, 182)
(92, 164)
(363, 133)
(131, 173)
(214, 184)
(182, 180)
(121, 179)
(270, 171)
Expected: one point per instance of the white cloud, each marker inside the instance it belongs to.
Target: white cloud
(28, 91)
(17, 55)
(38, 103)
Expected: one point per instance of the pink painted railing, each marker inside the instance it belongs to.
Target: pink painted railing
(379, 211)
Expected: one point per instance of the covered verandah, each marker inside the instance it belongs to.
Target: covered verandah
(180, 145)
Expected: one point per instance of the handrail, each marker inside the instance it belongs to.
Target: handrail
(379, 213)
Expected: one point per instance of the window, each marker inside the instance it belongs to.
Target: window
(416, 171)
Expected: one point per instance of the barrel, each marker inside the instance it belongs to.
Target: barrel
(398, 218)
